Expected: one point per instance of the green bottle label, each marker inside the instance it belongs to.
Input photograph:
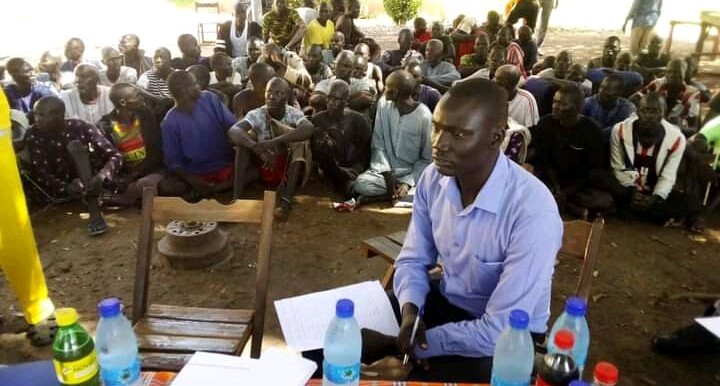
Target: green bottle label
(78, 371)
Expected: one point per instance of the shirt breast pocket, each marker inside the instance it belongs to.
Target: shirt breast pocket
(484, 277)
(408, 148)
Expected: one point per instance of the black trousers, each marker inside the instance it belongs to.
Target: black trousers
(451, 368)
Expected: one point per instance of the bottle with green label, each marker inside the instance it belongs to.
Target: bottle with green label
(74, 354)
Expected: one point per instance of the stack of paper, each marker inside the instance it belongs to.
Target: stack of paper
(275, 367)
(305, 318)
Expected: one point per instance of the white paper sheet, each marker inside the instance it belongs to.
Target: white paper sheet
(711, 323)
(227, 370)
(305, 318)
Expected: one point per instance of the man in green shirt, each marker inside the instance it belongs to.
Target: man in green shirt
(284, 26)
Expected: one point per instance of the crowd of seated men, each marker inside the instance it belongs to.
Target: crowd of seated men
(305, 86)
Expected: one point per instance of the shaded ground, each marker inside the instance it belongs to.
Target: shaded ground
(640, 267)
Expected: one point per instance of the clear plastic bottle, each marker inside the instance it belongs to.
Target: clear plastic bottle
(573, 319)
(514, 353)
(342, 347)
(606, 374)
(558, 368)
(117, 346)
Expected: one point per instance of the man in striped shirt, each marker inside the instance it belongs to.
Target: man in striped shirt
(155, 81)
(522, 106)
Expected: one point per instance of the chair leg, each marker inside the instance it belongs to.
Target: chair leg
(387, 281)
(716, 45)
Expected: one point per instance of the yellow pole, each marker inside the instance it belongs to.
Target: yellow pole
(19, 256)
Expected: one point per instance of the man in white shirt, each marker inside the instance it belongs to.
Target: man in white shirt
(522, 106)
(88, 100)
(114, 71)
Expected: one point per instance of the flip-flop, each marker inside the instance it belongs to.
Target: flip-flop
(43, 333)
(97, 227)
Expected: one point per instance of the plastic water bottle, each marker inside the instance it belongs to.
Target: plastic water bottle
(606, 374)
(343, 347)
(514, 353)
(573, 319)
(117, 346)
(559, 368)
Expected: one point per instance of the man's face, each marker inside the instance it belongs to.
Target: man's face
(189, 47)
(23, 75)
(481, 47)
(360, 67)
(505, 80)
(577, 73)
(437, 30)
(240, 16)
(276, 95)
(362, 50)
(223, 68)
(281, 5)
(434, 53)
(49, 64)
(562, 65)
(337, 43)
(420, 25)
(324, 12)
(129, 45)
(457, 141)
(493, 18)
(504, 36)
(496, 59)
(47, 118)
(415, 70)
(86, 79)
(405, 40)
(112, 60)
(134, 100)
(650, 115)
(161, 60)
(74, 50)
(654, 47)
(354, 10)
(524, 34)
(622, 63)
(336, 100)
(564, 106)
(612, 49)
(392, 88)
(314, 57)
(254, 49)
(674, 74)
(609, 92)
(344, 67)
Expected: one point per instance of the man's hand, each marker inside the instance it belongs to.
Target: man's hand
(624, 27)
(409, 314)
(389, 368)
(401, 190)
(75, 188)
(642, 202)
(266, 146)
(377, 345)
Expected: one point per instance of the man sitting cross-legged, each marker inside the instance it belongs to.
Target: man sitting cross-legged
(400, 148)
(274, 141)
(197, 153)
(50, 143)
(341, 144)
(496, 230)
(253, 97)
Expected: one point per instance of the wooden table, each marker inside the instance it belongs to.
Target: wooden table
(708, 20)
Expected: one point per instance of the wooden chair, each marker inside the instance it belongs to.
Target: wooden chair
(208, 14)
(169, 335)
(581, 240)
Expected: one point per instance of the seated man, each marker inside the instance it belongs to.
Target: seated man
(470, 63)
(401, 147)
(362, 90)
(223, 79)
(496, 59)
(283, 26)
(561, 73)
(341, 143)
(233, 35)
(114, 71)
(241, 64)
(49, 74)
(275, 138)
(646, 151)
(423, 93)
(521, 106)
(608, 107)
(373, 71)
(202, 77)
(133, 56)
(88, 100)
(496, 231)
(287, 64)
(133, 129)
(154, 81)
(448, 50)
(691, 79)
(395, 59)
(437, 73)
(191, 53)
(515, 55)
(651, 64)
(463, 35)
(421, 35)
(318, 70)
(568, 153)
(253, 97)
(492, 26)
(346, 24)
(529, 47)
(683, 100)
(360, 71)
(75, 54)
(25, 90)
(611, 50)
(52, 143)
(337, 44)
(197, 153)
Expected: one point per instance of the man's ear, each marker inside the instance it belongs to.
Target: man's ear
(498, 135)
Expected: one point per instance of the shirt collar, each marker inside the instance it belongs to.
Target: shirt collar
(489, 197)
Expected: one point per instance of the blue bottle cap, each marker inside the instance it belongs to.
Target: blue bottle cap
(575, 306)
(519, 319)
(344, 308)
(109, 307)
(578, 383)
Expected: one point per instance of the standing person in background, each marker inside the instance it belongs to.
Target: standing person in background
(233, 35)
(320, 30)
(644, 15)
(132, 55)
(346, 24)
(526, 10)
(492, 25)
(283, 26)
(547, 7)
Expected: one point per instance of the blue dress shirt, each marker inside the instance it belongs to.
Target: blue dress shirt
(498, 254)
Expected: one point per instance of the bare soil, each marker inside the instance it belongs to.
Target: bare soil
(640, 270)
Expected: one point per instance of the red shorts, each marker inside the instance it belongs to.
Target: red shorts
(274, 175)
(219, 176)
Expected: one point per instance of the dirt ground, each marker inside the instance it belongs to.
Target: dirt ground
(640, 270)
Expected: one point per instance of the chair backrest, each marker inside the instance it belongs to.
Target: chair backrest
(581, 240)
(164, 209)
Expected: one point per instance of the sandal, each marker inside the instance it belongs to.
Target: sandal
(97, 226)
(282, 212)
(43, 333)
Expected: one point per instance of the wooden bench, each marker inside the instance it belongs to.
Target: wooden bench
(388, 248)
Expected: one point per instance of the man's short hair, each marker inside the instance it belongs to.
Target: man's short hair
(261, 72)
(217, 57)
(483, 93)
(574, 91)
(14, 64)
(163, 50)
(55, 103)
(119, 91)
(179, 81)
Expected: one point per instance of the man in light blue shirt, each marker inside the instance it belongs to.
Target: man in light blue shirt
(644, 15)
(493, 227)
